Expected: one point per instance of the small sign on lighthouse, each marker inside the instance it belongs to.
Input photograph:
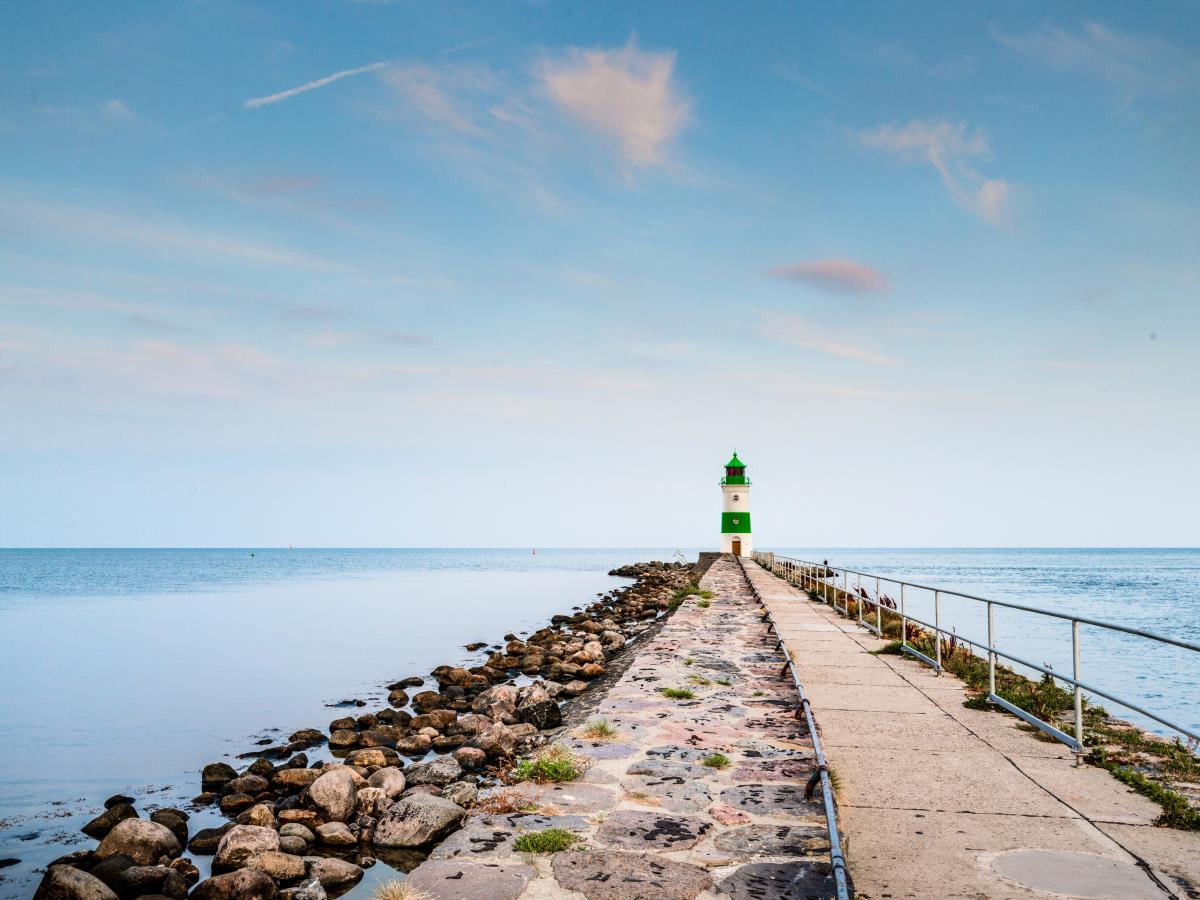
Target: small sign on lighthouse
(735, 511)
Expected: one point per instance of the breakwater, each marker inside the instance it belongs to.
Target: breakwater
(297, 822)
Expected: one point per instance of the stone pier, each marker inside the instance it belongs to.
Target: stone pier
(937, 800)
(659, 815)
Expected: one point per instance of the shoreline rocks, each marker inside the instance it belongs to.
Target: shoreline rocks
(287, 814)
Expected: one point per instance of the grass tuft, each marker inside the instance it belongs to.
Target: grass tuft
(398, 890)
(677, 693)
(698, 679)
(599, 730)
(704, 604)
(552, 840)
(723, 681)
(555, 763)
(716, 761)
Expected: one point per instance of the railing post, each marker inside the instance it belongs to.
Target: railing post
(937, 629)
(991, 653)
(858, 600)
(1078, 691)
(878, 608)
(903, 619)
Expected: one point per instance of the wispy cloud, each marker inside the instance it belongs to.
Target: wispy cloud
(255, 102)
(440, 93)
(839, 276)
(896, 55)
(793, 73)
(1136, 65)
(117, 112)
(798, 332)
(627, 94)
(948, 147)
(104, 226)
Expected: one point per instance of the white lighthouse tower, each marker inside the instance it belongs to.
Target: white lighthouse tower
(735, 510)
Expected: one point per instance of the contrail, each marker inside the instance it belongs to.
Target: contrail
(255, 102)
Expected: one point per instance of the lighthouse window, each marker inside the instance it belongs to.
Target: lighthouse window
(735, 496)
(735, 521)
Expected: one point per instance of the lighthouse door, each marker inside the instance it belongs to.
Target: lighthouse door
(737, 546)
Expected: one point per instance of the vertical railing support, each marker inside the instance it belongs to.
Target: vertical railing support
(878, 608)
(1078, 691)
(937, 629)
(858, 600)
(991, 652)
(903, 619)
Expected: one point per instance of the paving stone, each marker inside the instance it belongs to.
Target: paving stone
(668, 770)
(600, 750)
(780, 881)
(465, 880)
(754, 841)
(775, 770)
(635, 830)
(675, 794)
(601, 875)
(771, 799)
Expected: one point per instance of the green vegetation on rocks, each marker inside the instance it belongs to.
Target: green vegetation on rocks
(552, 840)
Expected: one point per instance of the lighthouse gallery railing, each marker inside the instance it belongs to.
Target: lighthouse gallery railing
(821, 579)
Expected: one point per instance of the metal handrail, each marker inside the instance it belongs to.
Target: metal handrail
(815, 574)
(837, 857)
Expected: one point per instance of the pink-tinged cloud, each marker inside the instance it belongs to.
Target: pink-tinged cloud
(626, 94)
(840, 276)
(799, 332)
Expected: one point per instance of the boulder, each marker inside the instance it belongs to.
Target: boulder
(175, 820)
(496, 741)
(295, 779)
(461, 792)
(541, 714)
(333, 795)
(216, 775)
(295, 829)
(240, 843)
(333, 874)
(137, 881)
(66, 883)
(186, 868)
(246, 784)
(107, 820)
(244, 884)
(428, 700)
(373, 757)
(372, 801)
(259, 814)
(591, 670)
(305, 737)
(233, 804)
(205, 841)
(398, 697)
(441, 771)
(142, 841)
(391, 779)
(470, 757)
(373, 738)
(498, 703)
(305, 817)
(280, 866)
(307, 890)
(414, 745)
(417, 819)
(343, 738)
(293, 845)
(336, 834)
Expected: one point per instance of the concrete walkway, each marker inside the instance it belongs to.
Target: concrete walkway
(938, 800)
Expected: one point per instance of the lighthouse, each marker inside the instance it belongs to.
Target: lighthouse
(735, 510)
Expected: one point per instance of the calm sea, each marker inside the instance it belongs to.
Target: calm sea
(128, 670)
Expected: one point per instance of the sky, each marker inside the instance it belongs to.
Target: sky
(524, 274)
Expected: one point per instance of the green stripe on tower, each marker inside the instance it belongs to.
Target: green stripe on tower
(735, 523)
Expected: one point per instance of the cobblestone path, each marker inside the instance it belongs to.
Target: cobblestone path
(654, 821)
